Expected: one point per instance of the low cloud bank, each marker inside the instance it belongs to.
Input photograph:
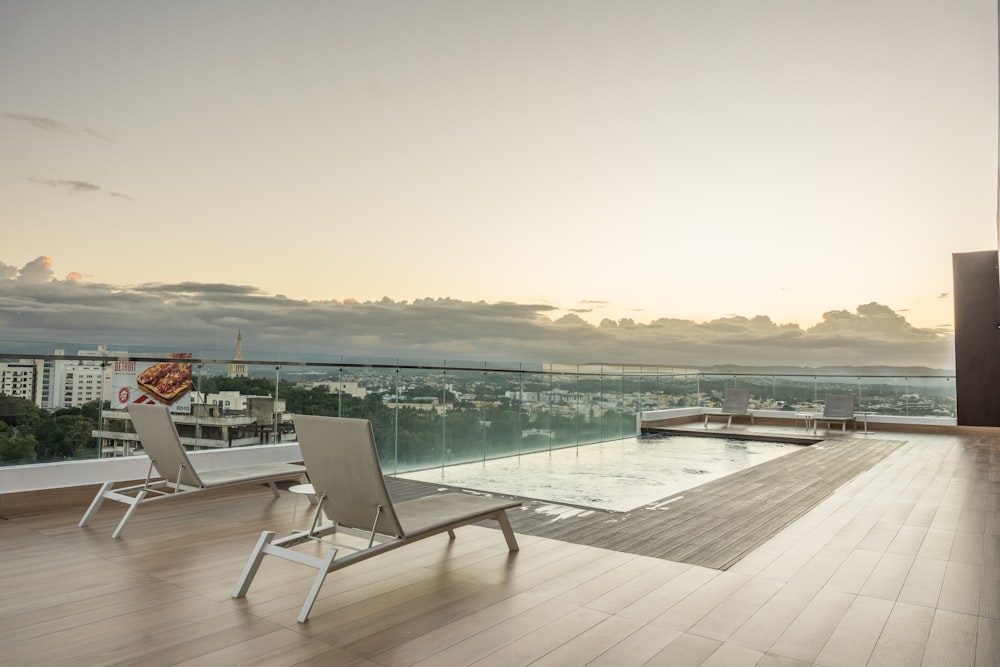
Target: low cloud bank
(37, 307)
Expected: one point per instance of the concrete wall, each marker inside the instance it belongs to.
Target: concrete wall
(41, 486)
(977, 337)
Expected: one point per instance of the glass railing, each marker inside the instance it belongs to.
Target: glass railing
(896, 395)
(425, 414)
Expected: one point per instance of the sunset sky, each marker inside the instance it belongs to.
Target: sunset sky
(787, 166)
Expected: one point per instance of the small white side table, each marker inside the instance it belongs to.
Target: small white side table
(302, 489)
(806, 418)
(864, 417)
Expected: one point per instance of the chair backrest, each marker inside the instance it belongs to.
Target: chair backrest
(159, 439)
(736, 401)
(839, 406)
(342, 463)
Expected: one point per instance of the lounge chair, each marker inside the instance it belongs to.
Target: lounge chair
(837, 408)
(342, 460)
(177, 476)
(735, 404)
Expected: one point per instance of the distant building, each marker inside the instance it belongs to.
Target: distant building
(216, 421)
(19, 379)
(343, 387)
(53, 384)
(72, 383)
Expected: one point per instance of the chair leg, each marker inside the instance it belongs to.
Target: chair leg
(128, 513)
(250, 571)
(95, 504)
(324, 569)
(508, 532)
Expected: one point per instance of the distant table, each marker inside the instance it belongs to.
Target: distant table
(864, 417)
(806, 418)
(302, 489)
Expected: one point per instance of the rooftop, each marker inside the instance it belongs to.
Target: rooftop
(896, 563)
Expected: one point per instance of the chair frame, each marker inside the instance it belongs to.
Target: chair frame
(837, 408)
(175, 475)
(733, 405)
(342, 460)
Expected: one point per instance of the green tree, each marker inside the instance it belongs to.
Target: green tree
(17, 448)
(16, 411)
(63, 436)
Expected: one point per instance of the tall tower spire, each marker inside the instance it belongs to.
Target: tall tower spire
(238, 369)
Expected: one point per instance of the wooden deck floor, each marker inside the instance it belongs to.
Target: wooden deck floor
(899, 565)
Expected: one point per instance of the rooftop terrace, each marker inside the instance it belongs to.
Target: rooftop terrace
(897, 563)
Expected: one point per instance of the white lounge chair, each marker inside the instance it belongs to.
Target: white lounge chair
(177, 476)
(837, 408)
(735, 404)
(342, 460)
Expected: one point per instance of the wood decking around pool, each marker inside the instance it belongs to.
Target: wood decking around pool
(713, 525)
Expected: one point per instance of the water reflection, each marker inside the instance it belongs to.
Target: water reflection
(619, 475)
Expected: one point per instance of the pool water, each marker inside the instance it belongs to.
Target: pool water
(618, 475)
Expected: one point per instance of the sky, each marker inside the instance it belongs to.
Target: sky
(658, 182)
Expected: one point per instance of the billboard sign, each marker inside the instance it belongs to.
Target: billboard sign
(152, 382)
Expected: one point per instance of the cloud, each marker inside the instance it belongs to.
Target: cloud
(103, 136)
(72, 186)
(40, 122)
(202, 317)
(38, 270)
(54, 126)
(76, 187)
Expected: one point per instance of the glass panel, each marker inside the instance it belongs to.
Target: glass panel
(420, 419)
(591, 383)
(921, 396)
(501, 415)
(565, 405)
(463, 430)
(534, 412)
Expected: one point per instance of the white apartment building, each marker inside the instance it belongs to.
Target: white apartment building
(71, 383)
(18, 379)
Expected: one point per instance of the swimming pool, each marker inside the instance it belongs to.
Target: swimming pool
(618, 475)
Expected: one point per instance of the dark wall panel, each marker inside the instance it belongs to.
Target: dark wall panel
(977, 337)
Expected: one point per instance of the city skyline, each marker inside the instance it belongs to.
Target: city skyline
(622, 180)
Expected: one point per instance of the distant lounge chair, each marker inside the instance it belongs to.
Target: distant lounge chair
(837, 408)
(735, 404)
(342, 460)
(159, 439)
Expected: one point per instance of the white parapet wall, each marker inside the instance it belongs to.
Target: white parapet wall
(673, 413)
(63, 474)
